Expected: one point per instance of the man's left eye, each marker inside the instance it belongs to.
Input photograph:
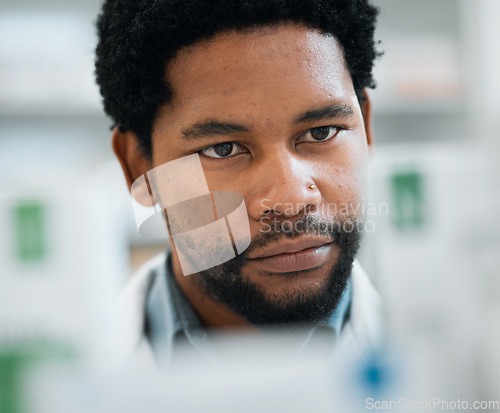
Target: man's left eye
(322, 133)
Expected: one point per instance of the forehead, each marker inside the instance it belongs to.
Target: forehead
(265, 70)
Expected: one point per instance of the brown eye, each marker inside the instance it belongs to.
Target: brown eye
(223, 149)
(320, 134)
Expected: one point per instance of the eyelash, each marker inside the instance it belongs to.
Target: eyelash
(211, 147)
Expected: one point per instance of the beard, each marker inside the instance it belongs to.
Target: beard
(226, 283)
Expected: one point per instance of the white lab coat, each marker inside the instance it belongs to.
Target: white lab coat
(360, 335)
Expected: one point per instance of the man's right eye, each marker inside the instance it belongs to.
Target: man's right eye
(222, 150)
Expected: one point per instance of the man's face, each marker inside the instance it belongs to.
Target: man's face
(274, 117)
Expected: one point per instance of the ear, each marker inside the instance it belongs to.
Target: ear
(366, 109)
(132, 160)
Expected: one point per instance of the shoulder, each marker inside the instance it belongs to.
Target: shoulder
(364, 330)
(130, 309)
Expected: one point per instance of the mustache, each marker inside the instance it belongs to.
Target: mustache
(331, 229)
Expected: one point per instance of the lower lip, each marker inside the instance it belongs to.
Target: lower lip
(296, 261)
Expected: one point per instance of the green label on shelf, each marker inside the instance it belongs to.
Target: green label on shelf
(17, 360)
(30, 231)
(10, 384)
(409, 202)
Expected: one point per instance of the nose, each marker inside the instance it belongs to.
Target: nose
(283, 185)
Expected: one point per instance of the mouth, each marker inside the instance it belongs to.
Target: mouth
(296, 256)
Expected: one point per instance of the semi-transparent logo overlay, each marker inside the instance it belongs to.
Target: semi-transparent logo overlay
(208, 228)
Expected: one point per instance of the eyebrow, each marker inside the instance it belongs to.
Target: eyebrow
(335, 110)
(211, 128)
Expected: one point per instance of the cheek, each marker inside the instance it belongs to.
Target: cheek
(342, 176)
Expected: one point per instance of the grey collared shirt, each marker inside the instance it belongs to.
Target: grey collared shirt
(172, 324)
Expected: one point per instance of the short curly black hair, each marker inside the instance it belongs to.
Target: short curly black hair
(137, 38)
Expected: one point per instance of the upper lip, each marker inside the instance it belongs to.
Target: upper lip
(290, 247)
